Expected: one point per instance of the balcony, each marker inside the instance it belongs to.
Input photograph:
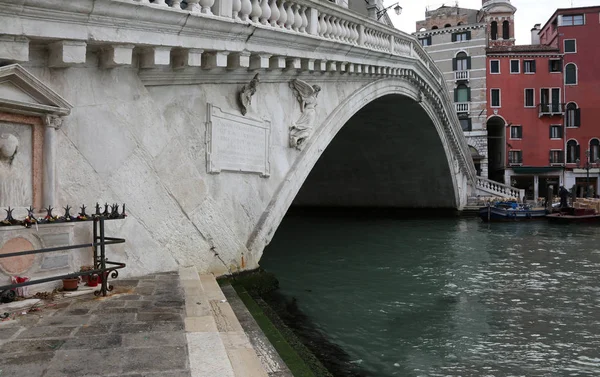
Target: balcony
(551, 109)
(461, 75)
(462, 107)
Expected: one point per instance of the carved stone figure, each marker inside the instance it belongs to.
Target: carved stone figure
(13, 189)
(302, 128)
(247, 92)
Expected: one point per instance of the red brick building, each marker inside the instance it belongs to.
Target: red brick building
(543, 104)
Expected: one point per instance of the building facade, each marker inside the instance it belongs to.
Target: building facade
(456, 39)
(542, 99)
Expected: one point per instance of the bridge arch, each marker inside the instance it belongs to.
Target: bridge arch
(324, 135)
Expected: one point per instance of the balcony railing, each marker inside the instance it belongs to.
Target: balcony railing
(461, 75)
(551, 109)
(462, 107)
(488, 187)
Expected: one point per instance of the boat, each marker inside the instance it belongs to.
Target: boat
(574, 216)
(510, 211)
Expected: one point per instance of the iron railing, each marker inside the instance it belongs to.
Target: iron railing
(103, 268)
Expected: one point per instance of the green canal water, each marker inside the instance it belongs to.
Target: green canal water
(448, 296)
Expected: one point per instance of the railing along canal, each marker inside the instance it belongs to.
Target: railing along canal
(103, 268)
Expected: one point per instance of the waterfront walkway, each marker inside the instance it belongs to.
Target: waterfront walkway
(171, 324)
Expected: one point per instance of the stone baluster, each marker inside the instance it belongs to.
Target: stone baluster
(344, 28)
(236, 7)
(274, 13)
(206, 5)
(337, 29)
(245, 10)
(290, 16)
(176, 4)
(193, 6)
(304, 25)
(328, 28)
(361, 35)
(282, 14)
(266, 12)
(322, 25)
(354, 35)
(256, 11)
(297, 18)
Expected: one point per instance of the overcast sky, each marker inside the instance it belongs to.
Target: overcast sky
(529, 12)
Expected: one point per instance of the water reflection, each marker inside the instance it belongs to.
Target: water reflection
(447, 297)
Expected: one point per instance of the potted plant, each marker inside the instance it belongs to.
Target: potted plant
(70, 284)
(93, 280)
(84, 268)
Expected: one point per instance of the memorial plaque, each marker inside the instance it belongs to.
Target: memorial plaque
(236, 143)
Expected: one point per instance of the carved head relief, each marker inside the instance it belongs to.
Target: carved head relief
(9, 145)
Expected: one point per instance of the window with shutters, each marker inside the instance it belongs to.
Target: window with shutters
(594, 150)
(529, 66)
(425, 41)
(494, 30)
(556, 156)
(515, 157)
(572, 152)
(570, 46)
(465, 124)
(461, 37)
(462, 62)
(462, 93)
(555, 65)
(529, 98)
(573, 115)
(516, 132)
(514, 66)
(495, 66)
(571, 74)
(556, 131)
(495, 96)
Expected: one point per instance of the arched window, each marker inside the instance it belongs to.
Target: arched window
(458, 24)
(447, 25)
(594, 150)
(505, 30)
(462, 93)
(462, 62)
(572, 151)
(434, 28)
(571, 74)
(573, 115)
(494, 30)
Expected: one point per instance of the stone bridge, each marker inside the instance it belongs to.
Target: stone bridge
(207, 121)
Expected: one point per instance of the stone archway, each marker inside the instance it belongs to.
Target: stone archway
(496, 127)
(325, 133)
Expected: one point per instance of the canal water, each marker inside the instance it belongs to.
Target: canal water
(447, 296)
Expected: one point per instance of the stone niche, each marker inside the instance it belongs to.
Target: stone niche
(30, 115)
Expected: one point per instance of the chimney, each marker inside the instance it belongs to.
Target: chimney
(535, 34)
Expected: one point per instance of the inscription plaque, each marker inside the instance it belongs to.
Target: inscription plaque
(236, 143)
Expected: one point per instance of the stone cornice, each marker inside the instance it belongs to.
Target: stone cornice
(450, 30)
(523, 55)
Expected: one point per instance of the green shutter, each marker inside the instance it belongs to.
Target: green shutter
(560, 132)
(468, 94)
(577, 118)
(453, 37)
(577, 152)
(468, 62)
(550, 132)
(455, 94)
(454, 64)
(533, 66)
(468, 35)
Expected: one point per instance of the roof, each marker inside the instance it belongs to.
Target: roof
(521, 48)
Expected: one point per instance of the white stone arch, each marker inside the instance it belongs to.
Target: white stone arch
(324, 134)
(459, 51)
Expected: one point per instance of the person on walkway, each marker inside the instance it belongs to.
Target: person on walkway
(564, 194)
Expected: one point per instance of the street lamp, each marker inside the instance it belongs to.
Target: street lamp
(588, 165)
(397, 9)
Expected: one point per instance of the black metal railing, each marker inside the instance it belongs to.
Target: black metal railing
(103, 268)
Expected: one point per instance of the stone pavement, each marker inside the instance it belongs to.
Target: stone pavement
(158, 325)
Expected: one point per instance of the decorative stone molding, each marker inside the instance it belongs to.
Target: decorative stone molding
(66, 54)
(246, 94)
(14, 49)
(302, 129)
(53, 121)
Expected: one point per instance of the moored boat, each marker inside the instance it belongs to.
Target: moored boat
(510, 211)
(574, 216)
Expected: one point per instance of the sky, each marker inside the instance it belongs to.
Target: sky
(529, 12)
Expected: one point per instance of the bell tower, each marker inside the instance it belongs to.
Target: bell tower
(499, 15)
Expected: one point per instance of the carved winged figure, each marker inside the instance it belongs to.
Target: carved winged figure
(247, 92)
(302, 128)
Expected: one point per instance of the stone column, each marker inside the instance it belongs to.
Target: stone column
(52, 124)
(536, 188)
(372, 9)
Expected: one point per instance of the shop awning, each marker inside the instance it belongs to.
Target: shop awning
(535, 169)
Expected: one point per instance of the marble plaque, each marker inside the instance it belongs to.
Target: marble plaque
(236, 143)
(16, 165)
